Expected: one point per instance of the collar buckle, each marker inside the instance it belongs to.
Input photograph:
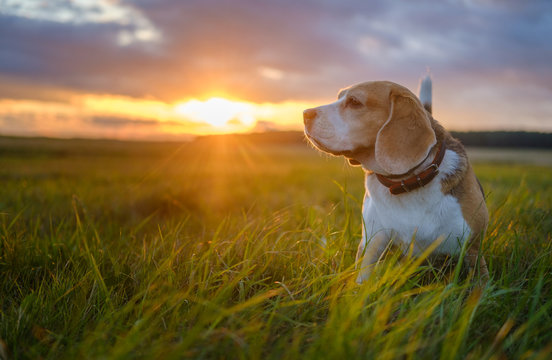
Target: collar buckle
(404, 187)
(435, 168)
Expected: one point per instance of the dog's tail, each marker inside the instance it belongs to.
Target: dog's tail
(425, 92)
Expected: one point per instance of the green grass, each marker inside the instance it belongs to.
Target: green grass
(230, 249)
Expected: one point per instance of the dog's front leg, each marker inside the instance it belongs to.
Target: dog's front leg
(476, 262)
(368, 253)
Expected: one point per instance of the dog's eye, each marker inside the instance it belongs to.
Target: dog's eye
(352, 102)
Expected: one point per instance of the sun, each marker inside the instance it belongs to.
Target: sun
(218, 112)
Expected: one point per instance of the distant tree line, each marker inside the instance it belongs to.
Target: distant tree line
(10, 144)
(518, 139)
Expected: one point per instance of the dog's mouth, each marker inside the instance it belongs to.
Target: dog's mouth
(318, 144)
(324, 148)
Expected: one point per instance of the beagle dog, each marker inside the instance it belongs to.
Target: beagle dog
(420, 187)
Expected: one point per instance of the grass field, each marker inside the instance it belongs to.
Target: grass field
(228, 248)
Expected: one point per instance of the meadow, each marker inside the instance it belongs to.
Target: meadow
(235, 248)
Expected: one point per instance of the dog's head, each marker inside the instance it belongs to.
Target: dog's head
(379, 124)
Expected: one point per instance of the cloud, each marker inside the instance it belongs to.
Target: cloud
(266, 126)
(212, 46)
(110, 121)
(135, 27)
(20, 121)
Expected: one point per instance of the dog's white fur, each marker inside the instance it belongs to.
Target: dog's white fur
(412, 220)
(353, 126)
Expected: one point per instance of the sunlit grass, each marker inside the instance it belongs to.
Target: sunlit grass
(232, 249)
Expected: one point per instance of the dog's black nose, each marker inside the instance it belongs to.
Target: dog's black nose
(309, 115)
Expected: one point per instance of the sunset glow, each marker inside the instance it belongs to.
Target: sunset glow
(217, 112)
(126, 117)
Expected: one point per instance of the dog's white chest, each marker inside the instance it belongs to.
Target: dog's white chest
(421, 216)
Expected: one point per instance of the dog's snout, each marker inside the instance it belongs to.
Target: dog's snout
(309, 115)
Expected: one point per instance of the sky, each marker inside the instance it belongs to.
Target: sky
(161, 69)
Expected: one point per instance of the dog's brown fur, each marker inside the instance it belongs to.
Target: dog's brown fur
(391, 133)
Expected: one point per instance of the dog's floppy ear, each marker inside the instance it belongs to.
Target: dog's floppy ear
(406, 137)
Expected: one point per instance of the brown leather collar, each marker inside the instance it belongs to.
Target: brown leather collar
(415, 181)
